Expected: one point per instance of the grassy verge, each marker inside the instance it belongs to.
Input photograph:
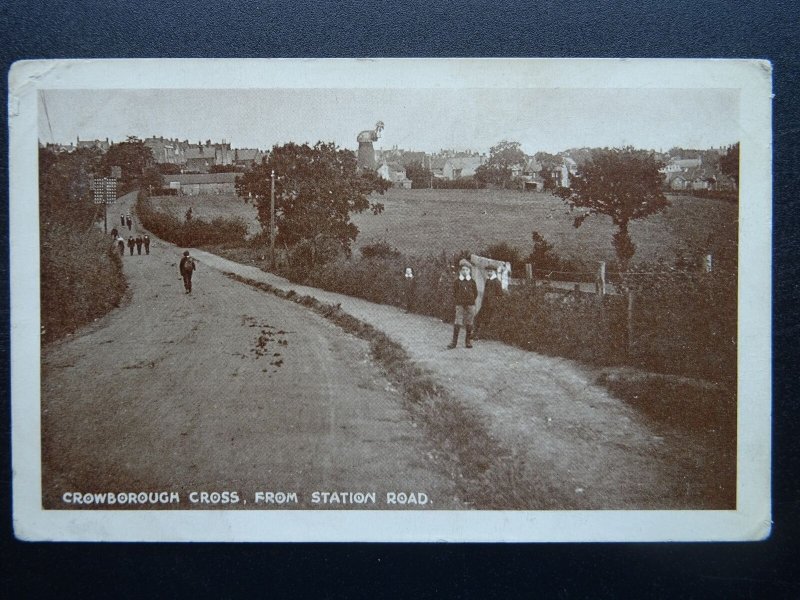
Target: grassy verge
(487, 476)
(695, 414)
(81, 278)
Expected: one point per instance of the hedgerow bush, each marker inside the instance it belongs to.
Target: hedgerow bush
(190, 233)
(81, 277)
(683, 323)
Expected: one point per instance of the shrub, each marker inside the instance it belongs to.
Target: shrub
(380, 249)
(81, 278)
(507, 253)
(683, 324)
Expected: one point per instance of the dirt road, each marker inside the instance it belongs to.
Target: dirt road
(225, 389)
(577, 446)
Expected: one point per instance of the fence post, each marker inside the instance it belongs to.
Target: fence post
(529, 273)
(600, 281)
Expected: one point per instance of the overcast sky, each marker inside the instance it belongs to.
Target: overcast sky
(415, 119)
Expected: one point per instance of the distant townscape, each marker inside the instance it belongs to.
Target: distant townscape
(209, 167)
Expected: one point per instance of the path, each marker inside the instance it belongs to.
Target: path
(226, 389)
(586, 447)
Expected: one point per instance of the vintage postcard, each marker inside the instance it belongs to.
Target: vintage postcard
(461, 300)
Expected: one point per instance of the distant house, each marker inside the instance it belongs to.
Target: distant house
(696, 178)
(436, 166)
(456, 168)
(102, 145)
(680, 165)
(203, 183)
(167, 151)
(200, 158)
(247, 157)
(59, 148)
(394, 173)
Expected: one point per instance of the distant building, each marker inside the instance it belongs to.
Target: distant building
(202, 183)
(200, 158)
(167, 151)
(456, 168)
(247, 157)
(102, 145)
(394, 173)
(679, 165)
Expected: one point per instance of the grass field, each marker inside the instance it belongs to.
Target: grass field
(207, 207)
(431, 221)
(422, 222)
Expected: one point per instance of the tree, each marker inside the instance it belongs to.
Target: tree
(623, 184)
(317, 188)
(729, 163)
(503, 157)
(64, 185)
(419, 175)
(549, 162)
(133, 157)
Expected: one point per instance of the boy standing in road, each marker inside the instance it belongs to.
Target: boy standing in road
(187, 267)
(465, 291)
(146, 244)
(131, 244)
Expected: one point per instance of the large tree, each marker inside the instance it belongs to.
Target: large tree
(420, 176)
(503, 158)
(317, 188)
(133, 157)
(729, 163)
(64, 185)
(624, 184)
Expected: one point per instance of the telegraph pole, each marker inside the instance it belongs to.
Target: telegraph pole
(272, 222)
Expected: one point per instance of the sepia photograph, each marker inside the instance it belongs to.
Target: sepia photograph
(390, 300)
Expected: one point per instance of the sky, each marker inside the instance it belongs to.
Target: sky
(549, 120)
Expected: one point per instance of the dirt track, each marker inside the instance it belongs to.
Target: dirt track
(226, 389)
(186, 392)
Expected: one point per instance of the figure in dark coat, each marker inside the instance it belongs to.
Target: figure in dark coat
(122, 220)
(139, 243)
(121, 245)
(146, 240)
(131, 244)
(187, 267)
(465, 292)
(128, 222)
(492, 292)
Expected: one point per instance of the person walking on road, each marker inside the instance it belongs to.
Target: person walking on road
(187, 267)
(122, 219)
(114, 234)
(128, 221)
(492, 292)
(146, 241)
(121, 245)
(139, 243)
(465, 292)
(131, 244)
